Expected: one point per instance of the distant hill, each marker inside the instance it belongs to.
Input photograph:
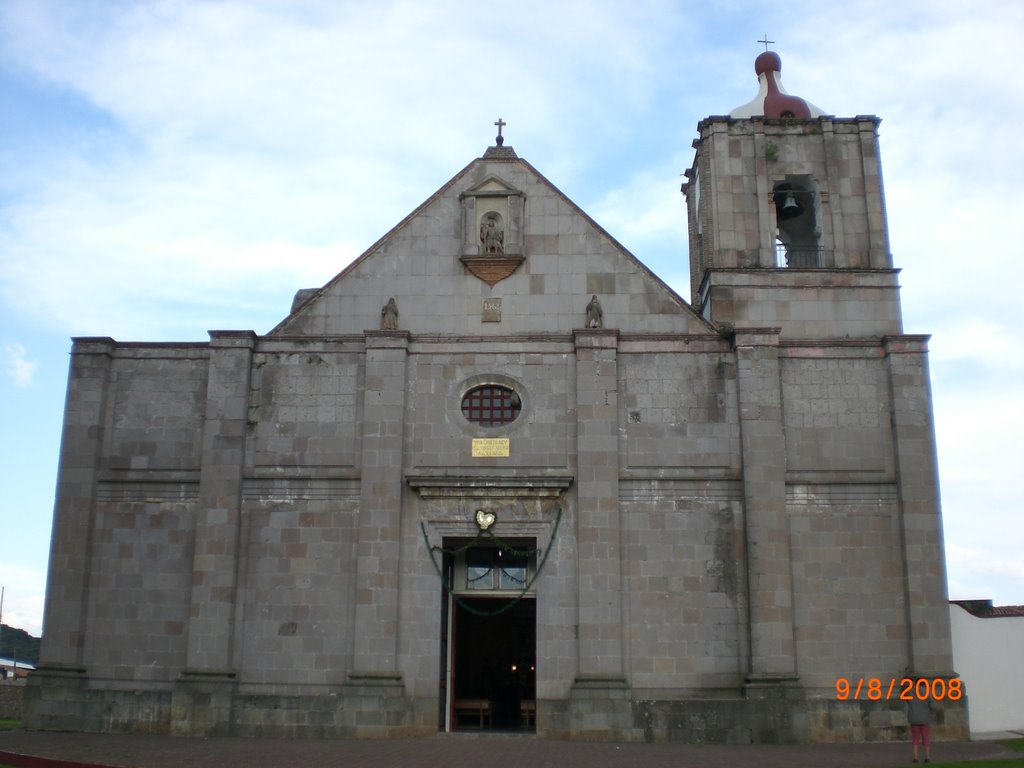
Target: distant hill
(18, 644)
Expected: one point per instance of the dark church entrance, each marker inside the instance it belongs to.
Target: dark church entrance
(494, 664)
(489, 646)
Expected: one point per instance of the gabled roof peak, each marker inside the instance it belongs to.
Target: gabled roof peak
(500, 153)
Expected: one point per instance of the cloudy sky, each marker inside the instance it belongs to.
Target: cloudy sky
(170, 167)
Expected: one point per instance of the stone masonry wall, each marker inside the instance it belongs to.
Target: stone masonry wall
(158, 405)
(679, 410)
(848, 592)
(139, 583)
(295, 626)
(439, 435)
(849, 614)
(304, 408)
(836, 412)
(685, 587)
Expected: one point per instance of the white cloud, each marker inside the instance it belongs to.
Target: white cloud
(648, 208)
(21, 369)
(23, 597)
(237, 125)
(994, 571)
(135, 269)
(975, 341)
(977, 430)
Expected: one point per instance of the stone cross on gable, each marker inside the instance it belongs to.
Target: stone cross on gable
(499, 139)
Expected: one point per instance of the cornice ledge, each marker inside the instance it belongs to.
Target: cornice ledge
(429, 485)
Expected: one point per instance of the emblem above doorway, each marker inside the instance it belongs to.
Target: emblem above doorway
(485, 519)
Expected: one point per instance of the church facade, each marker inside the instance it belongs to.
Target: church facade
(497, 475)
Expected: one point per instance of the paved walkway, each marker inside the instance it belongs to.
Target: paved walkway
(452, 751)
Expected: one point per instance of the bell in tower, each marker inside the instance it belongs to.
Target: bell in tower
(798, 238)
(787, 219)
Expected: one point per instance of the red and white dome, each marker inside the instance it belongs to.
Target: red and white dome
(772, 100)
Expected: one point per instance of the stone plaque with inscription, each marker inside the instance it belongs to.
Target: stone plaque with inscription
(492, 311)
(490, 447)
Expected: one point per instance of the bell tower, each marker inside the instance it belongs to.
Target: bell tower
(789, 256)
(787, 219)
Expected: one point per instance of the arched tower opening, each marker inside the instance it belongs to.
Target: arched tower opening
(797, 234)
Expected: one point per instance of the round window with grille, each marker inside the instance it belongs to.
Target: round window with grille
(491, 405)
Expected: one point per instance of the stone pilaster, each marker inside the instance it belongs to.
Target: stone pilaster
(210, 675)
(600, 642)
(878, 256)
(380, 504)
(56, 693)
(763, 445)
(70, 546)
(928, 631)
(220, 493)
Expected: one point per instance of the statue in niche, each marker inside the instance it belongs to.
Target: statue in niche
(595, 316)
(389, 316)
(492, 235)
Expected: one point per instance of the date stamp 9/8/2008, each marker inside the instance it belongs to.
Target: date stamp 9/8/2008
(904, 689)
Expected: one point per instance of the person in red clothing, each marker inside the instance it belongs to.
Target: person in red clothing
(919, 715)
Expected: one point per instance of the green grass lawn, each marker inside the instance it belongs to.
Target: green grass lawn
(1015, 745)
(1017, 762)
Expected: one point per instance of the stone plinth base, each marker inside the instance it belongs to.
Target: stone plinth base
(376, 706)
(201, 703)
(598, 709)
(55, 699)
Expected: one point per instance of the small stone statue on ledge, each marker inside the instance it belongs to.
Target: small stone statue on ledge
(389, 316)
(595, 316)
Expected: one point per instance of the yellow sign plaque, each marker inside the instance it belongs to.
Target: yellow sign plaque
(490, 447)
